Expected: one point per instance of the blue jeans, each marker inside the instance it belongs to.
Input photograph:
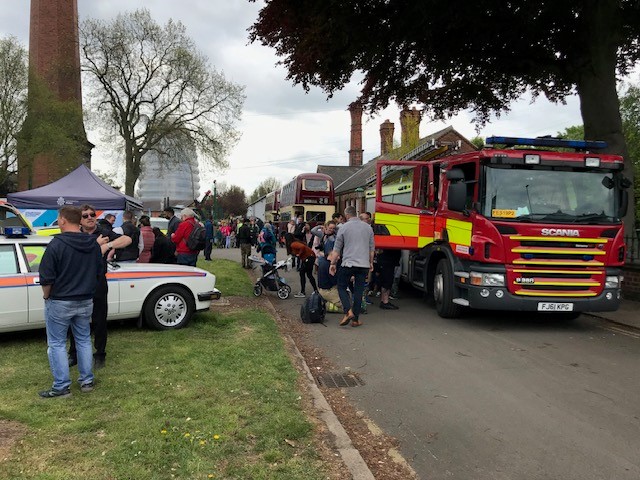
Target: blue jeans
(359, 275)
(59, 315)
(187, 259)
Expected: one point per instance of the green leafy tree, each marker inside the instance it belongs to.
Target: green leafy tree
(478, 142)
(268, 185)
(630, 110)
(150, 83)
(575, 132)
(13, 108)
(450, 56)
(233, 201)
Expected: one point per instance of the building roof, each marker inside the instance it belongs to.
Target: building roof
(339, 173)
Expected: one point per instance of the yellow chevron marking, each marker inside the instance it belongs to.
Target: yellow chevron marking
(540, 293)
(559, 239)
(528, 270)
(559, 251)
(557, 262)
(459, 232)
(406, 224)
(563, 284)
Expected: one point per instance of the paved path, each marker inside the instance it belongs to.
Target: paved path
(494, 395)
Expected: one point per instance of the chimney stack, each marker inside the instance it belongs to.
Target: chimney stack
(54, 69)
(386, 137)
(410, 124)
(355, 151)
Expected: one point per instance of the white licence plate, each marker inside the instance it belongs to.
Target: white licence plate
(555, 307)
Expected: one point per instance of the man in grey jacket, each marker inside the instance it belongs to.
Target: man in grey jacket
(355, 248)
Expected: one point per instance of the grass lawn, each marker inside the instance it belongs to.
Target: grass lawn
(217, 399)
(231, 279)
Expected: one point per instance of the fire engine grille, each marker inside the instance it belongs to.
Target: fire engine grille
(557, 266)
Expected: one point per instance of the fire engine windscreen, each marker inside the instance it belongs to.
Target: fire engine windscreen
(555, 196)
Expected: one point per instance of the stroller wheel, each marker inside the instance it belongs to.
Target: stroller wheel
(257, 289)
(284, 291)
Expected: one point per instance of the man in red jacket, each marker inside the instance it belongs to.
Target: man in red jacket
(184, 255)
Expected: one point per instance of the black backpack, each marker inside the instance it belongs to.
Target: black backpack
(197, 238)
(313, 309)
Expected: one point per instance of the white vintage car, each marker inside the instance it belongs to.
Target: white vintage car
(165, 296)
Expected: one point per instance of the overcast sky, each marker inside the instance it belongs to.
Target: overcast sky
(284, 130)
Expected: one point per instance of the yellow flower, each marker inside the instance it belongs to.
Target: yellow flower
(163, 431)
(203, 442)
(187, 435)
(216, 437)
(210, 475)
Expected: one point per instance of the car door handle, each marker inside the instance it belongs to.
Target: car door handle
(36, 281)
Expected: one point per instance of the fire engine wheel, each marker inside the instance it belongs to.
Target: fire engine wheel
(443, 291)
(257, 289)
(284, 291)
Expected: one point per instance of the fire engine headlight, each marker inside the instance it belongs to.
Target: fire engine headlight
(487, 279)
(613, 282)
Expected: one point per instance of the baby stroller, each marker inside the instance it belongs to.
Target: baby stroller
(271, 279)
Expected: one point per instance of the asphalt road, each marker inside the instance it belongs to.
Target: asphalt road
(493, 395)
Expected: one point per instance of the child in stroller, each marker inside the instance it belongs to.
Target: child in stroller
(271, 279)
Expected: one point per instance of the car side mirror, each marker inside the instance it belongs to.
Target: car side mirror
(624, 203)
(457, 197)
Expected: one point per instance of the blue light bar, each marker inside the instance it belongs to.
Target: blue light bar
(547, 142)
(15, 231)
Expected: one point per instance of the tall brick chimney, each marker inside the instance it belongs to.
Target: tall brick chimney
(386, 137)
(355, 150)
(410, 124)
(54, 66)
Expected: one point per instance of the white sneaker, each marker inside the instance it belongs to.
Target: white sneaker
(300, 295)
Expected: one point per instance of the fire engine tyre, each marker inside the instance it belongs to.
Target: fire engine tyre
(257, 290)
(443, 291)
(169, 308)
(284, 291)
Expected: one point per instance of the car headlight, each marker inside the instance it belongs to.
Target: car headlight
(487, 279)
(613, 281)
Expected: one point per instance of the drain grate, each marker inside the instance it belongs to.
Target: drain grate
(339, 380)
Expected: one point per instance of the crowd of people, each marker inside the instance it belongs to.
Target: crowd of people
(340, 253)
(349, 269)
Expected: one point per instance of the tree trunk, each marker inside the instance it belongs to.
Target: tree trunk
(129, 176)
(596, 85)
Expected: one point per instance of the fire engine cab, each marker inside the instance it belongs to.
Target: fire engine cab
(514, 226)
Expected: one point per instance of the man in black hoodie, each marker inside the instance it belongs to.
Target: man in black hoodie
(108, 240)
(69, 272)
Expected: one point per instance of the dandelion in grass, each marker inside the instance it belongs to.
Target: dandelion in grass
(210, 475)
(187, 435)
(203, 442)
(163, 431)
(216, 437)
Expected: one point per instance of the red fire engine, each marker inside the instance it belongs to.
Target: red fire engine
(514, 226)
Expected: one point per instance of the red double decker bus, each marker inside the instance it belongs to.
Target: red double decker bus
(310, 195)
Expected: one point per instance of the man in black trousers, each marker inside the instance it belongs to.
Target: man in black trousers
(99, 316)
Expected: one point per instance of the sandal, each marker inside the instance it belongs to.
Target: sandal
(346, 319)
(356, 323)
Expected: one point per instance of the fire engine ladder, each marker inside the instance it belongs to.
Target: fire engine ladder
(430, 150)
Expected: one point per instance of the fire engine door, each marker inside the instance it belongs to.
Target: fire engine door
(403, 216)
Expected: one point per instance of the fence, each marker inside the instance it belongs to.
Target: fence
(633, 248)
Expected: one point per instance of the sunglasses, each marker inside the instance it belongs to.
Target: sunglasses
(87, 215)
